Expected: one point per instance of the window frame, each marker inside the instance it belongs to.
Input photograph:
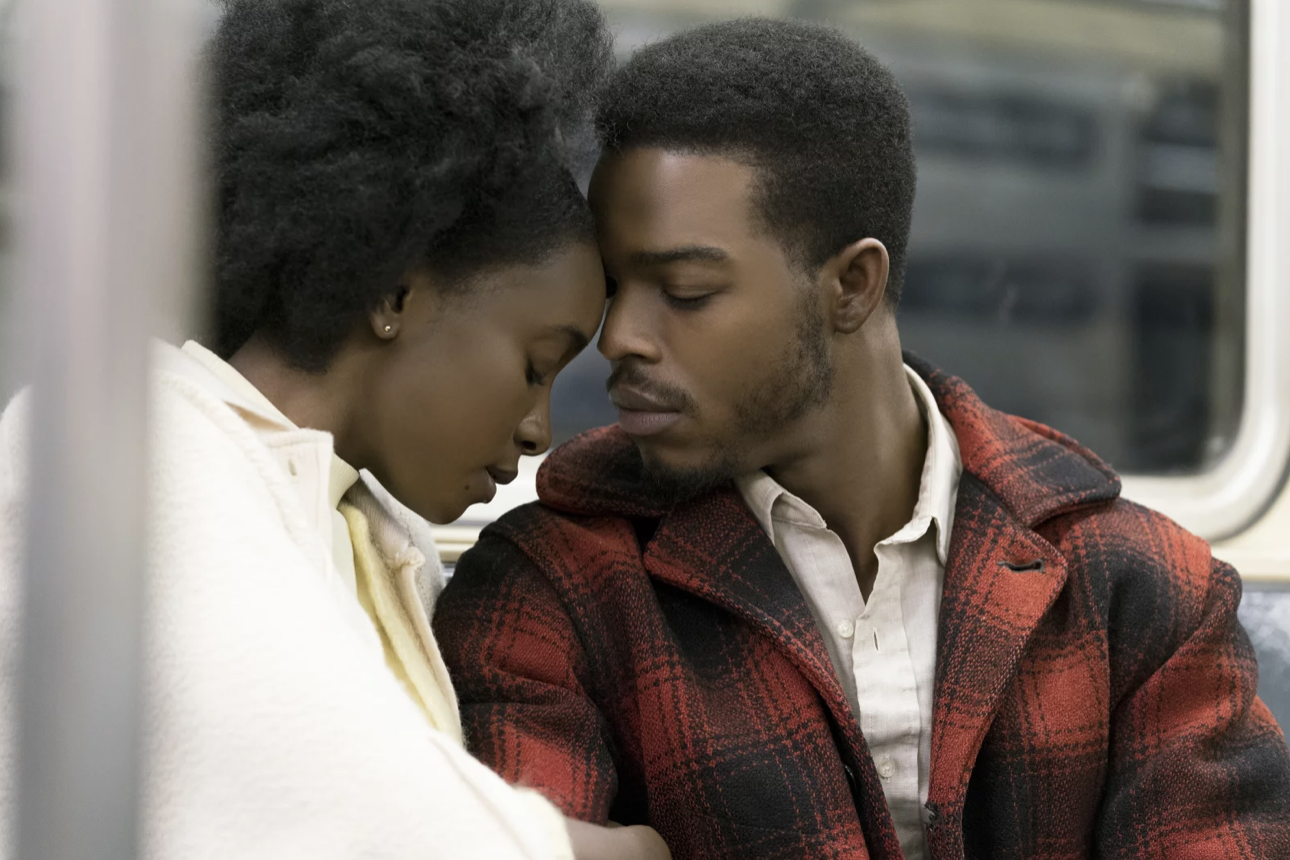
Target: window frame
(1228, 498)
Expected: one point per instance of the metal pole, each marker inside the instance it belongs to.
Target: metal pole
(104, 206)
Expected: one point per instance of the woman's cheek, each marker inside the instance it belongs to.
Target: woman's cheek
(511, 403)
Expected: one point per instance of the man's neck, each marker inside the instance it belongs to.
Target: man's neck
(862, 465)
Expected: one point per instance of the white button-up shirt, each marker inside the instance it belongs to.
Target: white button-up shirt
(883, 650)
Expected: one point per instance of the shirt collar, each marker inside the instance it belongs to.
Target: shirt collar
(937, 490)
(236, 390)
(938, 487)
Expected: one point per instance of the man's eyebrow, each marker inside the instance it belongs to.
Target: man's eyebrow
(689, 253)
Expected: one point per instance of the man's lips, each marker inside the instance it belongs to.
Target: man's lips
(635, 400)
(638, 424)
(641, 414)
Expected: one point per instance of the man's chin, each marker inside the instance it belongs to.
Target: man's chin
(667, 481)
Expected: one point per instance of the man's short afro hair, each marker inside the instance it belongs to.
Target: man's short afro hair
(357, 140)
(825, 124)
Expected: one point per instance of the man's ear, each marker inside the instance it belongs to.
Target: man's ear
(856, 277)
(387, 318)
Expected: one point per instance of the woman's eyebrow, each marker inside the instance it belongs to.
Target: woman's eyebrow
(688, 253)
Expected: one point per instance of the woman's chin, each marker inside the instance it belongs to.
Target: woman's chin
(445, 511)
(443, 508)
(439, 511)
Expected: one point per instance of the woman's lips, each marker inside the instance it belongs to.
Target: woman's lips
(638, 422)
(502, 476)
(490, 489)
(493, 476)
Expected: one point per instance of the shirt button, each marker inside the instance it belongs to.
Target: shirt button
(291, 467)
(846, 629)
(886, 768)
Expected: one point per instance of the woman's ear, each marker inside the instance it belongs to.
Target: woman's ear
(856, 277)
(387, 318)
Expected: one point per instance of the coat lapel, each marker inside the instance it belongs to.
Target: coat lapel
(714, 549)
(710, 546)
(1000, 580)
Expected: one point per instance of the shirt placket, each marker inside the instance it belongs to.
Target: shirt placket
(884, 676)
(834, 598)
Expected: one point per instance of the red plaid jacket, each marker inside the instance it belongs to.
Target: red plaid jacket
(1095, 695)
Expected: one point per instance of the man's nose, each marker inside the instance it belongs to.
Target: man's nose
(627, 328)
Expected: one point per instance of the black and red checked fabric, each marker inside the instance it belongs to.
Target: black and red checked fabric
(1095, 695)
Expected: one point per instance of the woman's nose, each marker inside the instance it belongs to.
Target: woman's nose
(534, 433)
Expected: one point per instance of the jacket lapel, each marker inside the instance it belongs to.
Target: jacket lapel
(1000, 579)
(710, 546)
(714, 549)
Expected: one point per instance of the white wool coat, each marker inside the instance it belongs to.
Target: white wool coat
(274, 728)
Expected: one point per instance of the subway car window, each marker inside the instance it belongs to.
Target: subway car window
(1078, 241)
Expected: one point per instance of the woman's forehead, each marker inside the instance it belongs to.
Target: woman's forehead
(564, 291)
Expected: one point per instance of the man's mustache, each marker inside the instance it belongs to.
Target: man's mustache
(632, 375)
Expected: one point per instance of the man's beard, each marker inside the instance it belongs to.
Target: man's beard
(798, 382)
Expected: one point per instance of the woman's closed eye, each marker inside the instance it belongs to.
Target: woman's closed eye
(534, 378)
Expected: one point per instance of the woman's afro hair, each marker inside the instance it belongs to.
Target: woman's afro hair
(357, 140)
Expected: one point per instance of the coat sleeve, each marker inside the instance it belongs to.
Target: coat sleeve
(1198, 766)
(522, 679)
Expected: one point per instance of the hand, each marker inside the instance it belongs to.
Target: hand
(615, 842)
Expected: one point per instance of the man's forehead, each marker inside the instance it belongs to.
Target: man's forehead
(662, 189)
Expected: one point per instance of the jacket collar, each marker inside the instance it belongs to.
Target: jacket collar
(1035, 472)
